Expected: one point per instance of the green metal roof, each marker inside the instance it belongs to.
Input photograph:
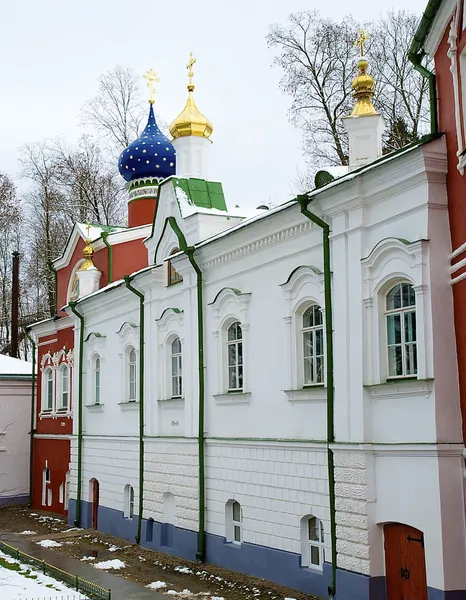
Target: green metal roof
(425, 25)
(202, 193)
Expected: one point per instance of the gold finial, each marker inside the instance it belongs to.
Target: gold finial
(363, 37)
(364, 84)
(152, 78)
(88, 252)
(190, 66)
(191, 122)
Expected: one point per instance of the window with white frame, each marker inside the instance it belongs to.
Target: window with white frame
(312, 539)
(128, 508)
(132, 383)
(64, 392)
(401, 331)
(96, 380)
(313, 346)
(176, 368)
(234, 522)
(235, 357)
(48, 390)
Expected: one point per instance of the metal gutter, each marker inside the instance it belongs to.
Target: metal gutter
(77, 520)
(304, 201)
(189, 251)
(425, 25)
(33, 406)
(140, 295)
(109, 255)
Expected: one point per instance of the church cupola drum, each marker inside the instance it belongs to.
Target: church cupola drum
(144, 163)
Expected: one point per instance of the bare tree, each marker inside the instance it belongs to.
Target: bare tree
(318, 59)
(47, 222)
(92, 189)
(117, 111)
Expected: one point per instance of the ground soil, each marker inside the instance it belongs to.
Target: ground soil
(143, 566)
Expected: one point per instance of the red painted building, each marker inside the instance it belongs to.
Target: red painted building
(114, 252)
(442, 36)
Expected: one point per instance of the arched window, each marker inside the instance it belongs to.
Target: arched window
(176, 365)
(64, 397)
(47, 393)
(96, 386)
(173, 275)
(313, 346)
(312, 542)
(401, 331)
(235, 357)
(234, 522)
(132, 384)
(128, 508)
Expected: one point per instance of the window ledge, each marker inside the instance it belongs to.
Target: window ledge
(400, 388)
(233, 398)
(315, 393)
(95, 407)
(129, 405)
(171, 401)
(52, 414)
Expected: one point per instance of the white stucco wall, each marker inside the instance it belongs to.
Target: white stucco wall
(15, 419)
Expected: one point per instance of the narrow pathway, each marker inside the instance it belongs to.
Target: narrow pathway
(122, 589)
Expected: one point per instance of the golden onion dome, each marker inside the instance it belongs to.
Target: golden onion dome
(191, 121)
(363, 90)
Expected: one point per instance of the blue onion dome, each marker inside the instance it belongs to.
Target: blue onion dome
(151, 155)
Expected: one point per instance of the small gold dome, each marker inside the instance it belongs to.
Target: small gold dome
(88, 253)
(363, 86)
(191, 121)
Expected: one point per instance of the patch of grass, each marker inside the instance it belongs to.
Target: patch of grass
(9, 565)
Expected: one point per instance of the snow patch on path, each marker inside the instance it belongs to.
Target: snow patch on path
(49, 544)
(157, 585)
(28, 532)
(116, 563)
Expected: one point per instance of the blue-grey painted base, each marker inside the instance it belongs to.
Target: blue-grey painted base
(274, 565)
(14, 500)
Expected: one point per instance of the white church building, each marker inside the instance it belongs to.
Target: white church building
(278, 395)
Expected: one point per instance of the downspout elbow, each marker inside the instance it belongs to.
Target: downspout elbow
(109, 255)
(416, 60)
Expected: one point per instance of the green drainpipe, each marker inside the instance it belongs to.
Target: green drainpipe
(127, 279)
(201, 434)
(416, 59)
(77, 520)
(304, 202)
(189, 251)
(109, 255)
(33, 390)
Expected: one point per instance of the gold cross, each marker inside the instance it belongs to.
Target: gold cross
(151, 77)
(88, 228)
(189, 66)
(363, 37)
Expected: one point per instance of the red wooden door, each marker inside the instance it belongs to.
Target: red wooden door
(405, 564)
(95, 503)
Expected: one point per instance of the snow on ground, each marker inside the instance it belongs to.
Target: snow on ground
(183, 570)
(20, 581)
(28, 532)
(114, 548)
(88, 558)
(116, 563)
(49, 544)
(157, 585)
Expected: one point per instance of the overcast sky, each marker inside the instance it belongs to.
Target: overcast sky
(53, 51)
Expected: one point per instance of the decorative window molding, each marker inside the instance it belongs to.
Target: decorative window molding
(48, 390)
(128, 502)
(400, 319)
(394, 261)
(64, 387)
(129, 335)
(233, 522)
(303, 289)
(229, 306)
(173, 277)
(233, 398)
(169, 328)
(53, 367)
(312, 543)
